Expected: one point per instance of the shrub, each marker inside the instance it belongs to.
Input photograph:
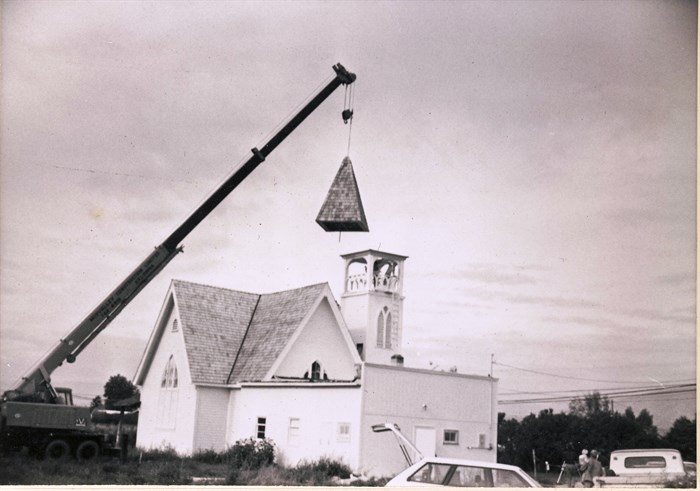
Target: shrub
(165, 454)
(682, 482)
(209, 457)
(326, 468)
(170, 473)
(233, 477)
(251, 453)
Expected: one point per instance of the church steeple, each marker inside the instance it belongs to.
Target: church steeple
(372, 303)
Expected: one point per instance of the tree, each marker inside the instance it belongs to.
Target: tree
(96, 402)
(119, 387)
(508, 431)
(682, 437)
(646, 423)
(590, 404)
(590, 423)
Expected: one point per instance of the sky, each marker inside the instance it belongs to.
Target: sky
(535, 160)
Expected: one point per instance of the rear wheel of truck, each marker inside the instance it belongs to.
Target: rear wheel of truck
(57, 450)
(87, 450)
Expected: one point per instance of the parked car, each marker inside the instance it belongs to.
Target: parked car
(439, 471)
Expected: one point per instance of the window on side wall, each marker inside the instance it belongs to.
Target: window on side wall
(168, 396)
(294, 429)
(343, 432)
(450, 437)
(315, 371)
(260, 428)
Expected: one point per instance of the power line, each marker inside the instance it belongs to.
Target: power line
(563, 391)
(680, 389)
(570, 377)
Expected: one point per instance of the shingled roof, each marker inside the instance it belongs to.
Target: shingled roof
(342, 210)
(233, 336)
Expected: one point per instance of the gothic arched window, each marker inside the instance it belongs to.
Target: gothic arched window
(169, 378)
(384, 329)
(167, 399)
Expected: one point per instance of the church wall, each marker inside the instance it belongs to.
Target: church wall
(305, 423)
(423, 401)
(320, 340)
(211, 418)
(166, 415)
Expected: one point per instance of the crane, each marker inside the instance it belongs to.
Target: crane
(34, 393)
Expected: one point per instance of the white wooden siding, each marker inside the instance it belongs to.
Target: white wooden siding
(321, 340)
(318, 410)
(210, 420)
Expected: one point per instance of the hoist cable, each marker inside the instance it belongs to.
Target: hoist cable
(350, 99)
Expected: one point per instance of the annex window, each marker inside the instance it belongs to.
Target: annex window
(167, 399)
(343, 432)
(450, 437)
(384, 328)
(315, 371)
(482, 440)
(260, 428)
(176, 326)
(294, 430)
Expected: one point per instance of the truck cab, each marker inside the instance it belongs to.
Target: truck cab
(643, 468)
(64, 396)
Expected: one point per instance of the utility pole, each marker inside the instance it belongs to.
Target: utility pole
(491, 370)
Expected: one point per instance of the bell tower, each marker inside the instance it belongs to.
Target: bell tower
(372, 304)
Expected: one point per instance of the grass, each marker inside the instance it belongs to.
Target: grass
(165, 468)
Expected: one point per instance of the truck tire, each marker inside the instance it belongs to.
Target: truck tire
(57, 450)
(87, 450)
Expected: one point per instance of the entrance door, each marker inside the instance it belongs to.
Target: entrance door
(426, 440)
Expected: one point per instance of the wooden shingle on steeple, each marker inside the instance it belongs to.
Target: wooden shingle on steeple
(342, 210)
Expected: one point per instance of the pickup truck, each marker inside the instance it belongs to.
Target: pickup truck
(643, 468)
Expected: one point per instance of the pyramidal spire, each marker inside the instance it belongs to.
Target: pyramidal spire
(342, 210)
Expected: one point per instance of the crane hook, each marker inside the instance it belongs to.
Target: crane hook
(347, 115)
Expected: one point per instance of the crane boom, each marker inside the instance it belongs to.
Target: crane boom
(38, 379)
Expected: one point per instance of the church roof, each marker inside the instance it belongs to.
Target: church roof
(232, 336)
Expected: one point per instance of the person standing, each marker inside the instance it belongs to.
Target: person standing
(591, 470)
(583, 458)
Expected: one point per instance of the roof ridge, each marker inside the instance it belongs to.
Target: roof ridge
(176, 281)
(212, 286)
(299, 288)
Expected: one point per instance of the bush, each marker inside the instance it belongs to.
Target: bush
(209, 457)
(233, 477)
(326, 468)
(683, 482)
(170, 473)
(251, 453)
(166, 454)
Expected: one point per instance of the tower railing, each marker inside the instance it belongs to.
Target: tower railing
(380, 282)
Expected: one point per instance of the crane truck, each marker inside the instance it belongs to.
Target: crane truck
(37, 415)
